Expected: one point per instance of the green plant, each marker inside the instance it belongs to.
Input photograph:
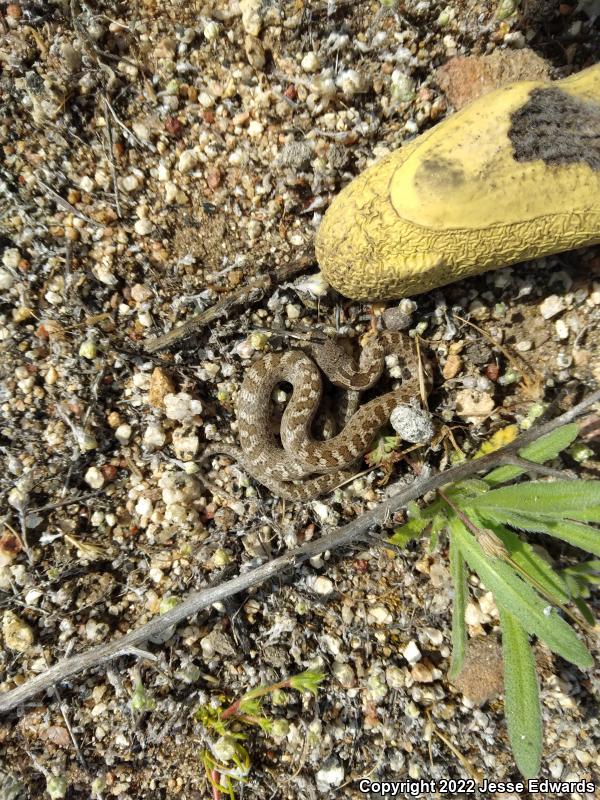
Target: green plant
(481, 518)
(226, 760)
(506, 8)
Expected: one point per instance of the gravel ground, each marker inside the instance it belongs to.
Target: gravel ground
(154, 157)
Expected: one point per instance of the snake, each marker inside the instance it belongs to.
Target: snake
(292, 463)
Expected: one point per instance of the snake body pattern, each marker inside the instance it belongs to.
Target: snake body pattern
(294, 465)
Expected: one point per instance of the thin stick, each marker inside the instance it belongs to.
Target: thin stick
(354, 531)
(111, 161)
(65, 205)
(252, 292)
(539, 469)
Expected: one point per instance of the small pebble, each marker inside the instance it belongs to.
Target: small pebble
(474, 406)
(412, 424)
(143, 227)
(154, 437)
(411, 652)
(422, 673)
(94, 478)
(379, 615)
(140, 293)
(323, 586)
(18, 635)
(452, 367)
(562, 331)
(252, 19)
(130, 183)
(552, 306)
(181, 406)
(330, 775)
(187, 160)
(123, 433)
(524, 345)
(310, 62)
(11, 258)
(344, 674)
(161, 384)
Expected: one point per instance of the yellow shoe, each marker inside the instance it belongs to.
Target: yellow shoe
(513, 176)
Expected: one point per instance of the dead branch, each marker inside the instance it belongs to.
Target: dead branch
(252, 292)
(348, 534)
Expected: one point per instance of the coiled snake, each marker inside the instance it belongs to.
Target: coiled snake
(294, 465)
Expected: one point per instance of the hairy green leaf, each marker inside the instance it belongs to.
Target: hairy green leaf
(410, 530)
(521, 600)
(532, 563)
(585, 611)
(591, 514)
(565, 498)
(540, 451)
(521, 695)
(588, 569)
(578, 534)
(459, 605)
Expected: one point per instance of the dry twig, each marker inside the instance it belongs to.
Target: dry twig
(348, 534)
(252, 292)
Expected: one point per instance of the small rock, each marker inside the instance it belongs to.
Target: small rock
(524, 345)
(255, 128)
(255, 52)
(562, 330)
(351, 82)
(474, 406)
(296, 155)
(412, 424)
(181, 406)
(411, 652)
(143, 227)
(252, 21)
(161, 384)
(140, 293)
(310, 62)
(323, 586)
(211, 31)
(94, 478)
(395, 677)
(403, 87)
(213, 178)
(154, 437)
(552, 306)
(344, 674)
(330, 775)
(422, 673)
(18, 636)
(11, 258)
(88, 349)
(6, 280)
(123, 433)
(399, 318)
(293, 311)
(452, 367)
(185, 444)
(216, 643)
(515, 39)
(10, 547)
(474, 614)
(187, 160)
(130, 183)
(379, 615)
